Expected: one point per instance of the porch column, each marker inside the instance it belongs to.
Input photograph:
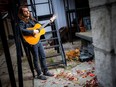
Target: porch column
(103, 21)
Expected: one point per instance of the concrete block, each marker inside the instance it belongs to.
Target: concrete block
(101, 28)
(104, 69)
(94, 3)
(114, 26)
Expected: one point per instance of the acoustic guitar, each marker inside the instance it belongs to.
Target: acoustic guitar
(36, 37)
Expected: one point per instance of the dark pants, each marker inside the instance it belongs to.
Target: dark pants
(38, 53)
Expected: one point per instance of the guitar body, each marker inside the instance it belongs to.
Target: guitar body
(35, 38)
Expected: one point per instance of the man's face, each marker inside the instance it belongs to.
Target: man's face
(26, 12)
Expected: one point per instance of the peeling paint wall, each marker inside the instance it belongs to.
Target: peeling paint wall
(59, 10)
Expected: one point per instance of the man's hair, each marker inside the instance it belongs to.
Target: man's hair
(21, 15)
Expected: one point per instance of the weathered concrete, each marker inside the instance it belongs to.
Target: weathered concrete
(94, 3)
(103, 19)
(64, 82)
(27, 75)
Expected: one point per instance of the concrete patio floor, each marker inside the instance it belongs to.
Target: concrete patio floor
(63, 80)
(56, 81)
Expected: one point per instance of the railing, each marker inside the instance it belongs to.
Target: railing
(7, 53)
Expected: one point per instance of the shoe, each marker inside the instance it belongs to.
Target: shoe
(42, 77)
(48, 74)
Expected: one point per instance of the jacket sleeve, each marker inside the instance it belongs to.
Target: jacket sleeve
(24, 29)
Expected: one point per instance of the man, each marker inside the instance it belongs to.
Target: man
(37, 50)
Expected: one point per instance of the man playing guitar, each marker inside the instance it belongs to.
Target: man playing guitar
(27, 26)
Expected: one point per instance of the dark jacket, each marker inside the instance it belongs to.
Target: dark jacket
(23, 27)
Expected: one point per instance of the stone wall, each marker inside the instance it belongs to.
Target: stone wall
(103, 21)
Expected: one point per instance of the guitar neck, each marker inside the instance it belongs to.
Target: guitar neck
(44, 25)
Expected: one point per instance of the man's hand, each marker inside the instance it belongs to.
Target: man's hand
(36, 31)
(53, 18)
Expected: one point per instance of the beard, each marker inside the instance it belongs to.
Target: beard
(26, 15)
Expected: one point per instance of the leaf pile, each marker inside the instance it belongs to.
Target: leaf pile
(73, 54)
(66, 75)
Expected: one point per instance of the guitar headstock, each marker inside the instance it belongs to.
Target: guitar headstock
(53, 18)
